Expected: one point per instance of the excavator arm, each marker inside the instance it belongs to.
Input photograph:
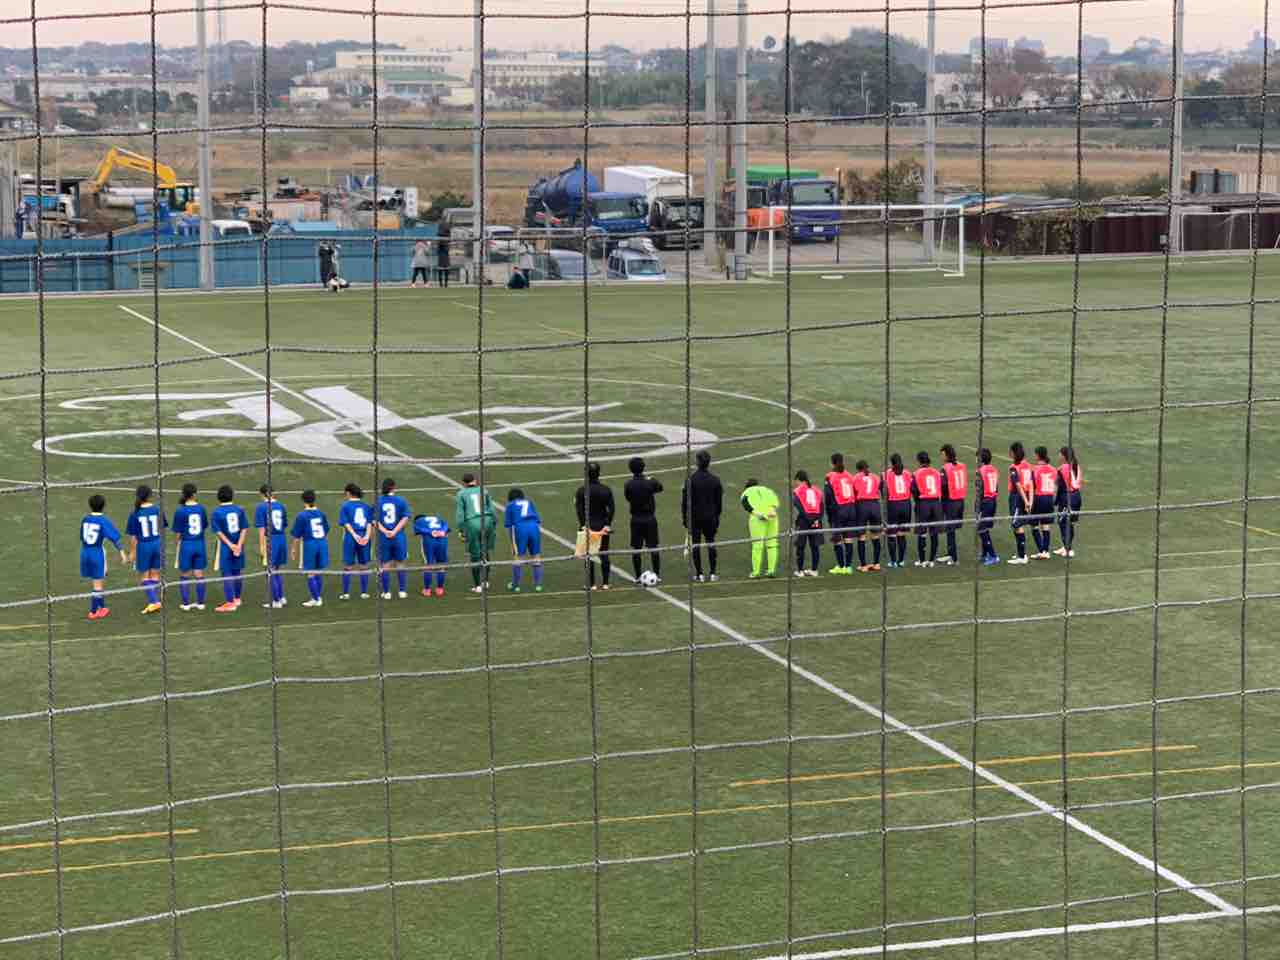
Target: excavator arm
(117, 157)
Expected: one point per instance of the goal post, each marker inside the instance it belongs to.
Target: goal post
(874, 236)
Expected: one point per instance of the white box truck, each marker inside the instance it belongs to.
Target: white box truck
(670, 200)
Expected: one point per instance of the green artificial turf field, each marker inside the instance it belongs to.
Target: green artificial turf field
(621, 760)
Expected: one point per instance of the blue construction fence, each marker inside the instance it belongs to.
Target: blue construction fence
(129, 262)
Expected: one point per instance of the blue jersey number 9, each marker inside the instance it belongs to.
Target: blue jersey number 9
(193, 524)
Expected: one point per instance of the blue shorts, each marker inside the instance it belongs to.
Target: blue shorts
(93, 562)
(1017, 512)
(192, 555)
(528, 537)
(1043, 508)
(150, 556)
(393, 548)
(354, 554)
(228, 562)
(315, 554)
(435, 550)
(277, 551)
(986, 513)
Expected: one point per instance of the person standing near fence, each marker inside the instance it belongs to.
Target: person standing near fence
(421, 263)
(761, 505)
(442, 255)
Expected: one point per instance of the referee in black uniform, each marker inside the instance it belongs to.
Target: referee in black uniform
(639, 492)
(594, 505)
(701, 503)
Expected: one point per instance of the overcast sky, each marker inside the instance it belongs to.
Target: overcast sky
(559, 24)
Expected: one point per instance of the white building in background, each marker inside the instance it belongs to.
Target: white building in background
(80, 86)
(308, 93)
(443, 75)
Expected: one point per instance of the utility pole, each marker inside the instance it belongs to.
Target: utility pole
(930, 133)
(1175, 179)
(477, 142)
(710, 189)
(202, 121)
(740, 154)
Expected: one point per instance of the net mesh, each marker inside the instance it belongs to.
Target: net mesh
(886, 234)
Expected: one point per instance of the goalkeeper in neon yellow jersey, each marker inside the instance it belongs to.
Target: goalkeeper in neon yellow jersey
(477, 523)
(761, 505)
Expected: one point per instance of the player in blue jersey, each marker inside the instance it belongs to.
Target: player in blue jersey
(393, 540)
(434, 532)
(272, 520)
(144, 526)
(190, 521)
(525, 527)
(96, 530)
(355, 519)
(231, 526)
(311, 530)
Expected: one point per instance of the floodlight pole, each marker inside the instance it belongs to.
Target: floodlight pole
(207, 279)
(930, 133)
(1175, 173)
(477, 142)
(710, 189)
(740, 154)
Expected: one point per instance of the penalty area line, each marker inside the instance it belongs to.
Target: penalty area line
(1008, 935)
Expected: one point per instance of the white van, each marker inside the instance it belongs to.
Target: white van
(639, 265)
(231, 229)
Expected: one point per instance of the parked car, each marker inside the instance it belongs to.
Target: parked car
(501, 243)
(562, 265)
(639, 265)
(460, 222)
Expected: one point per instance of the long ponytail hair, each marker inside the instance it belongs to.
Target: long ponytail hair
(1069, 454)
(895, 461)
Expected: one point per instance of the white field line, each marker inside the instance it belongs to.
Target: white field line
(889, 721)
(1074, 928)
(277, 385)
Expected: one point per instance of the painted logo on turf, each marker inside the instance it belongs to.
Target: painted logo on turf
(335, 423)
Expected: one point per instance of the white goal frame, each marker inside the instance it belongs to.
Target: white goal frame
(778, 214)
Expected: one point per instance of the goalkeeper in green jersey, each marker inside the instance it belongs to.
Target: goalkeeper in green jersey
(761, 505)
(477, 524)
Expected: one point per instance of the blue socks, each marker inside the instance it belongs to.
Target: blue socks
(315, 585)
(346, 582)
(386, 582)
(97, 602)
(153, 595)
(537, 574)
(440, 578)
(364, 583)
(202, 590)
(516, 573)
(403, 577)
(184, 588)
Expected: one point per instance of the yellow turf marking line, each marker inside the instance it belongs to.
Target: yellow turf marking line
(1262, 530)
(109, 838)
(996, 762)
(30, 626)
(635, 818)
(835, 406)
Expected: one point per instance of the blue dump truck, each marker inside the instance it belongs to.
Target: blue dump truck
(808, 192)
(572, 198)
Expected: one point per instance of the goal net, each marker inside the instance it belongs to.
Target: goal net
(864, 237)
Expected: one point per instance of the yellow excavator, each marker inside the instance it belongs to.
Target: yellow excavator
(180, 195)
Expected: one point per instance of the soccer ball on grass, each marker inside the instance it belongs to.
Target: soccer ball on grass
(648, 579)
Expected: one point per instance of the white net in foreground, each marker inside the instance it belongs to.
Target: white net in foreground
(876, 236)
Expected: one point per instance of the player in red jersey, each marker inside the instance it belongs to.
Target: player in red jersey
(1069, 500)
(807, 499)
(867, 515)
(927, 490)
(1044, 483)
(955, 487)
(1019, 498)
(988, 491)
(840, 499)
(897, 491)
